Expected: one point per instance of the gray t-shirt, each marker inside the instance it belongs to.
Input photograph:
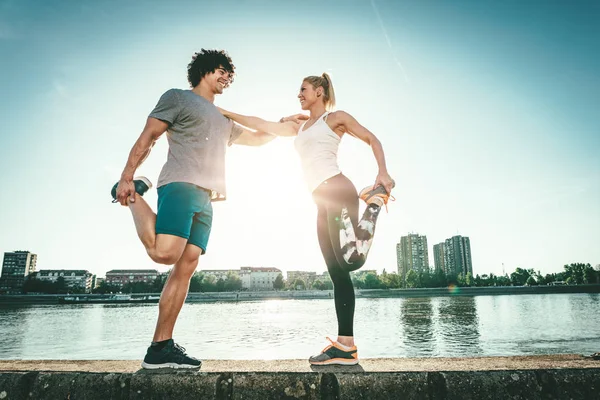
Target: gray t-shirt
(198, 136)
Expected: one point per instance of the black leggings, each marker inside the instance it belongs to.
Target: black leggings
(344, 241)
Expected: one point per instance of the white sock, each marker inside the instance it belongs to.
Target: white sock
(344, 347)
(376, 200)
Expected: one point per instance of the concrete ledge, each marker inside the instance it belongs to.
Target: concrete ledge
(561, 377)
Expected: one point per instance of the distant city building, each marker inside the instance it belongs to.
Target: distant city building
(96, 281)
(438, 257)
(324, 277)
(253, 278)
(457, 256)
(16, 266)
(220, 273)
(305, 276)
(257, 278)
(121, 277)
(399, 265)
(412, 253)
(80, 279)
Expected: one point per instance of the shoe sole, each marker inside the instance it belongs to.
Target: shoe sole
(335, 361)
(170, 365)
(145, 180)
(138, 178)
(366, 196)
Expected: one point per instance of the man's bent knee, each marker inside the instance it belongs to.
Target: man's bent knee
(168, 249)
(167, 257)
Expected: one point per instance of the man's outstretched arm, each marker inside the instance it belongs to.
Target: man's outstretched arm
(251, 138)
(261, 125)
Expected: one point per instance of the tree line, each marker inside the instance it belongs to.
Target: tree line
(573, 274)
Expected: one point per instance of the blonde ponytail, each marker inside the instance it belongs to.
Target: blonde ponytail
(324, 81)
(329, 92)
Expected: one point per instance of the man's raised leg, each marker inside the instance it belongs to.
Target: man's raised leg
(163, 249)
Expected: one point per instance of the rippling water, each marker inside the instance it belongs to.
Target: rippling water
(282, 329)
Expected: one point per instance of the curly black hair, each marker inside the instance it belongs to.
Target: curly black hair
(207, 61)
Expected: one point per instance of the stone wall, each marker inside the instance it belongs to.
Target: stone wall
(572, 384)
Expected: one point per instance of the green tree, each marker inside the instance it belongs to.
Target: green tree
(469, 279)
(104, 288)
(540, 278)
(233, 282)
(440, 279)
(137, 287)
(531, 281)
(209, 283)
(278, 283)
(590, 275)
(519, 277)
(34, 285)
(159, 282)
(452, 279)
(61, 285)
(358, 281)
(575, 273)
(549, 278)
(299, 284)
(411, 279)
(327, 285)
(426, 279)
(196, 282)
(372, 281)
(391, 281)
(503, 280)
(571, 281)
(383, 279)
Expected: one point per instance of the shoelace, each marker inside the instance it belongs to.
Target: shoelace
(329, 346)
(179, 348)
(385, 200)
(390, 197)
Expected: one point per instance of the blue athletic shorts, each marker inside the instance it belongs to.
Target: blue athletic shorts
(185, 210)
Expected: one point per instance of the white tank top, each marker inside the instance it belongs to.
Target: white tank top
(318, 148)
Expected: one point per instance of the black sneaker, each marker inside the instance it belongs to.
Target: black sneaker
(141, 183)
(335, 354)
(170, 356)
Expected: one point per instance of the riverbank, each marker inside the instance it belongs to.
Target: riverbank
(316, 294)
(533, 377)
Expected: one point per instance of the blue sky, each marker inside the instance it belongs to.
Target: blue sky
(487, 112)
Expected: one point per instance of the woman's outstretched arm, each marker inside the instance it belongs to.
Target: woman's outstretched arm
(288, 128)
(355, 129)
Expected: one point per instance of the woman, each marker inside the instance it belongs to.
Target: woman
(344, 240)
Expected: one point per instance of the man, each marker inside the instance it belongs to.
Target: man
(192, 177)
